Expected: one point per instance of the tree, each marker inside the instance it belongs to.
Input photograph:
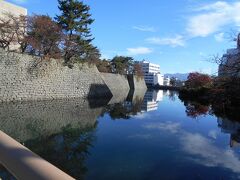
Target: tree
(44, 36)
(13, 31)
(173, 81)
(198, 80)
(21, 28)
(75, 20)
(122, 64)
(137, 68)
(7, 32)
(104, 66)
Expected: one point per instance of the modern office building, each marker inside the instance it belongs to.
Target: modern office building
(230, 62)
(152, 74)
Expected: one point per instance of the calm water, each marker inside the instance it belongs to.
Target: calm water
(155, 136)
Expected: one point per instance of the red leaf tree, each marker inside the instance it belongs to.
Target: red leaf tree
(198, 80)
(44, 36)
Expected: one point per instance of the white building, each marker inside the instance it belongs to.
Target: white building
(6, 7)
(230, 62)
(9, 8)
(152, 74)
(166, 81)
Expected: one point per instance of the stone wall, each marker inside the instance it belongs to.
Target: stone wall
(118, 85)
(23, 77)
(136, 82)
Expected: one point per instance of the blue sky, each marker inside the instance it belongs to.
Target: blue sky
(179, 35)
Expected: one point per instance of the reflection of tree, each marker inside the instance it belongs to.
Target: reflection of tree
(4, 174)
(172, 95)
(125, 110)
(194, 109)
(67, 150)
(118, 111)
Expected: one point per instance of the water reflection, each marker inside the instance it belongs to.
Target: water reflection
(59, 131)
(80, 137)
(232, 128)
(135, 104)
(67, 150)
(151, 100)
(195, 109)
(226, 123)
(31, 120)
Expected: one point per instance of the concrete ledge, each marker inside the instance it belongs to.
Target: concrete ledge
(24, 164)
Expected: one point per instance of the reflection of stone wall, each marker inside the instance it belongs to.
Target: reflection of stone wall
(30, 120)
(136, 95)
(23, 77)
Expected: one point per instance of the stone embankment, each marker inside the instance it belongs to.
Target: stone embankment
(24, 77)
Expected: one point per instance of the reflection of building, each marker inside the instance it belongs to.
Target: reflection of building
(232, 128)
(151, 100)
(152, 73)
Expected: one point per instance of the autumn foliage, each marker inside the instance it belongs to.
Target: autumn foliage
(198, 80)
(44, 36)
(194, 110)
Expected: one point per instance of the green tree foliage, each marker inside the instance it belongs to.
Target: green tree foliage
(75, 20)
(173, 81)
(104, 66)
(122, 64)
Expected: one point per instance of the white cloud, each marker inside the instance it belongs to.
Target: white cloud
(202, 149)
(141, 116)
(212, 17)
(166, 126)
(219, 37)
(145, 28)
(138, 51)
(208, 154)
(178, 40)
(213, 134)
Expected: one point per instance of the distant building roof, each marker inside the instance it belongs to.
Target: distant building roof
(6, 7)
